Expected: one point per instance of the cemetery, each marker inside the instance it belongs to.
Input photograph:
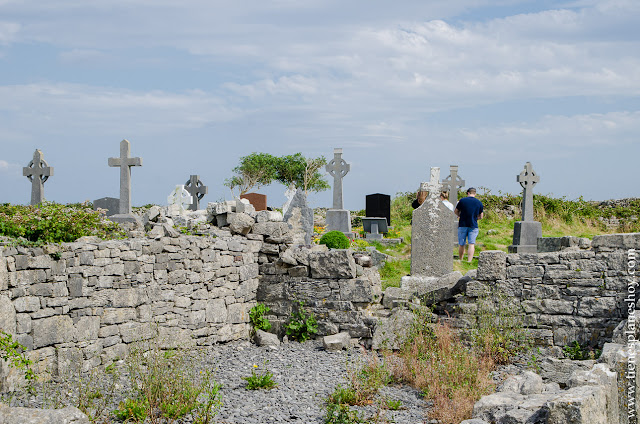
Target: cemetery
(540, 325)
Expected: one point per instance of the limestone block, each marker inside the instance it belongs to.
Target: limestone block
(248, 272)
(393, 296)
(601, 375)
(4, 274)
(240, 223)
(526, 383)
(131, 298)
(492, 265)
(175, 338)
(549, 306)
(616, 241)
(87, 328)
(356, 290)
(53, 330)
(336, 263)
(134, 331)
(597, 306)
(118, 315)
(7, 315)
(216, 311)
(509, 407)
(17, 415)
(618, 358)
(525, 271)
(390, 332)
(337, 341)
(262, 338)
(579, 405)
(271, 229)
(269, 216)
(27, 304)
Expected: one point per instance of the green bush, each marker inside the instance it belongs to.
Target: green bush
(54, 223)
(302, 325)
(258, 320)
(335, 240)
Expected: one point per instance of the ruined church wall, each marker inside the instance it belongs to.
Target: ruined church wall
(87, 301)
(566, 296)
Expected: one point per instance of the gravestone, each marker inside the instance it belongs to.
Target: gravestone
(259, 201)
(378, 205)
(374, 227)
(338, 219)
(452, 184)
(289, 193)
(197, 190)
(179, 200)
(111, 204)
(38, 172)
(431, 251)
(124, 162)
(300, 217)
(527, 231)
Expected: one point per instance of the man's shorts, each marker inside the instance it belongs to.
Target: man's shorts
(464, 232)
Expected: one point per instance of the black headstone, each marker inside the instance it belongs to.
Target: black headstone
(379, 205)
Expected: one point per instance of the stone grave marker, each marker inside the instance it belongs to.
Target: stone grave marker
(527, 231)
(289, 193)
(179, 200)
(38, 172)
(197, 190)
(378, 206)
(452, 184)
(111, 204)
(431, 251)
(300, 217)
(374, 227)
(338, 219)
(125, 162)
(259, 201)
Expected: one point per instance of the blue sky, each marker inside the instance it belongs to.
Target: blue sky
(400, 86)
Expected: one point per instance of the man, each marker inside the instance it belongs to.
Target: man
(469, 210)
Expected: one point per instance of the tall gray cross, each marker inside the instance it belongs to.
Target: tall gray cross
(452, 183)
(197, 190)
(527, 179)
(337, 168)
(125, 163)
(433, 186)
(38, 171)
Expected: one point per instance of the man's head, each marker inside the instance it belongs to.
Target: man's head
(471, 192)
(422, 196)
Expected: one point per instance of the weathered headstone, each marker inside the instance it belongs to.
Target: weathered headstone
(431, 251)
(300, 217)
(338, 219)
(125, 162)
(527, 231)
(289, 193)
(378, 205)
(179, 200)
(452, 184)
(38, 171)
(259, 201)
(197, 190)
(374, 227)
(111, 204)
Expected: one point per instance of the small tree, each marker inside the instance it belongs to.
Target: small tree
(255, 170)
(302, 172)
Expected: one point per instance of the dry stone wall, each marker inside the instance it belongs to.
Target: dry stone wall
(566, 296)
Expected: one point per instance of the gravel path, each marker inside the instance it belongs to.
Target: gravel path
(304, 372)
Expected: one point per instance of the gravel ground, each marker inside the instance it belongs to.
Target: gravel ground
(304, 372)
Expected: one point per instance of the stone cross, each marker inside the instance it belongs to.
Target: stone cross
(125, 163)
(38, 171)
(180, 197)
(433, 186)
(197, 190)
(289, 194)
(527, 179)
(337, 168)
(452, 183)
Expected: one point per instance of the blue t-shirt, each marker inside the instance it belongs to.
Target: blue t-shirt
(469, 208)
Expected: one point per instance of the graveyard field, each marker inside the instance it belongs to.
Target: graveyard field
(559, 217)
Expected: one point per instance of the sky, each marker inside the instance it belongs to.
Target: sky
(400, 86)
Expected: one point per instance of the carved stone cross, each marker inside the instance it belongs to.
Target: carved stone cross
(180, 197)
(527, 179)
(452, 183)
(38, 171)
(337, 168)
(125, 163)
(433, 186)
(197, 190)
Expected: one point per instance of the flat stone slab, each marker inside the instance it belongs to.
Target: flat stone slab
(337, 341)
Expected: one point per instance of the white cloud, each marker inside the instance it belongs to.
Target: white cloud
(9, 168)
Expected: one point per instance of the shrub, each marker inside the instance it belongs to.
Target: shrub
(335, 240)
(258, 320)
(578, 352)
(54, 223)
(302, 325)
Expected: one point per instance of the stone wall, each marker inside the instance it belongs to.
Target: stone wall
(86, 301)
(566, 296)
